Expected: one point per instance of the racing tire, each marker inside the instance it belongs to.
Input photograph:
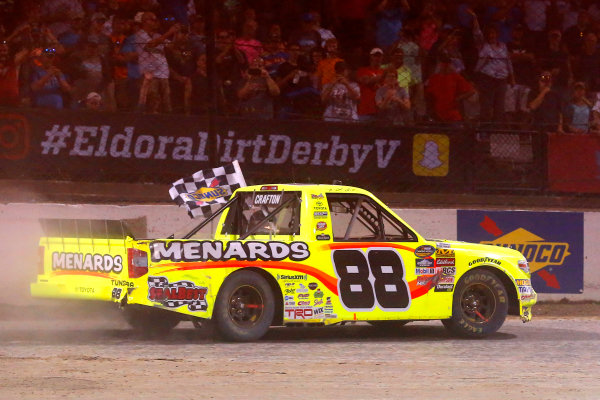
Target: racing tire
(479, 305)
(244, 308)
(151, 321)
(390, 325)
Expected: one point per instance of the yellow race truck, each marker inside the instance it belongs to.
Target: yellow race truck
(288, 254)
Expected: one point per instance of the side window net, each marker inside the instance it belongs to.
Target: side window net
(357, 218)
(252, 208)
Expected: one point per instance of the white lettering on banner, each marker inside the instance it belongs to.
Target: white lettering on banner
(98, 141)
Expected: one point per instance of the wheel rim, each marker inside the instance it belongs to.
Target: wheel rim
(478, 303)
(246, 306)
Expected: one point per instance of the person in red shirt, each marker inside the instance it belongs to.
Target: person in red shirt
(446, 89)
(9, 75)
(369, 79)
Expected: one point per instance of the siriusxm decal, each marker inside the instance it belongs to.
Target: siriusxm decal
(552, 243)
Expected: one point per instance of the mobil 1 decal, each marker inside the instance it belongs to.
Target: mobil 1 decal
(552, 242)
(375, 278)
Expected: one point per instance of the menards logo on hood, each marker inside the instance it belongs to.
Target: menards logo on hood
(536, 250)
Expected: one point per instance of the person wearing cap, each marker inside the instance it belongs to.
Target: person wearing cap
(93, 101)
(340, 97)
(551, 56)
(578, 112)
(369, 78)
(96, 34)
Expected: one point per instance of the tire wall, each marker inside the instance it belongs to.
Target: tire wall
(20, 231)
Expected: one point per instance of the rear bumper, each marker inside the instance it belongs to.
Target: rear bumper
(63, 291)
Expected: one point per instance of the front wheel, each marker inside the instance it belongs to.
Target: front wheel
(479, 305)
(244, 307)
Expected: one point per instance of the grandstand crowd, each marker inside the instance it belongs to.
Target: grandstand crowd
(512, 63)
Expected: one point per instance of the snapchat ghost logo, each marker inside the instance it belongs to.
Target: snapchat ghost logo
(431, 154)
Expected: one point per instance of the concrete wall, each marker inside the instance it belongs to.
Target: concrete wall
(20, 232)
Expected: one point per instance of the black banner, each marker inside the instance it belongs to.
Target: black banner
(119, 147)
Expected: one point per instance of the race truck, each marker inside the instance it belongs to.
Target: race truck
(288, 254)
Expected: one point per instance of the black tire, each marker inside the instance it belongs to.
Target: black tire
(479, 305)
(244, 308)
(388, 325)
(151, 321)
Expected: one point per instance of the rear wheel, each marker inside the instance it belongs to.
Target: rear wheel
(151, 321)
(245, 307)
(479, 306)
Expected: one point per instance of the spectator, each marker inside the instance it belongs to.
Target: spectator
(299, 97)
(325, 67)
(153, 65)
(535, 17)
(446, 89)
(230, 63)
(369, 79)
(93, 101)
(392, 100)
(247, 42)
(96, 35)
(57, 12)
(257, 92)
(413, 55)
(48, 83)
(273, 55)
(545, 105)
(127, 99)
(325, 34)
(307, 36)
(9, 75)
(71, 37)
(495, 71)
(430, 25)
(91, 73)
(586, 65)
(118, 62)
(577, 113)
(574, 36)
(523, 65)
(197, 36)
(200, 102)
(389, 17)
(551, 57)
(182, 64)
(402, 71)
(340, 97)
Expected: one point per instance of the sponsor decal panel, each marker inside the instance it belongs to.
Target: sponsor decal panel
(445, 253)
(552, 243)
(444, 287)
(87, 262)
(216, 250)
(177, 294)
(296, 277)
(425, 250)
(445, 262)
(424, 271)
(267, 199)
(313, 285)
(323, 237)
(449, 270)
(424, 263)
(320, 214)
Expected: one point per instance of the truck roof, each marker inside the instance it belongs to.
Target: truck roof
(306, 187)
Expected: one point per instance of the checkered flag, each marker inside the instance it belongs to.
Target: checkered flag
(206, 187)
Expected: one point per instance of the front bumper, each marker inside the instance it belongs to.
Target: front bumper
(527, 306)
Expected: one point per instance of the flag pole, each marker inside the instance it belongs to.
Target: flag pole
(209, 31)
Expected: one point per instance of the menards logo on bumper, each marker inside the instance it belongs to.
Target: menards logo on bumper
(536, 250)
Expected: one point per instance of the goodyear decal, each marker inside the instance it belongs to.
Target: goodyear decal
(552, 243)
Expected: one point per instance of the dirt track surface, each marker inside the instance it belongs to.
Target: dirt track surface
(553, 357)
